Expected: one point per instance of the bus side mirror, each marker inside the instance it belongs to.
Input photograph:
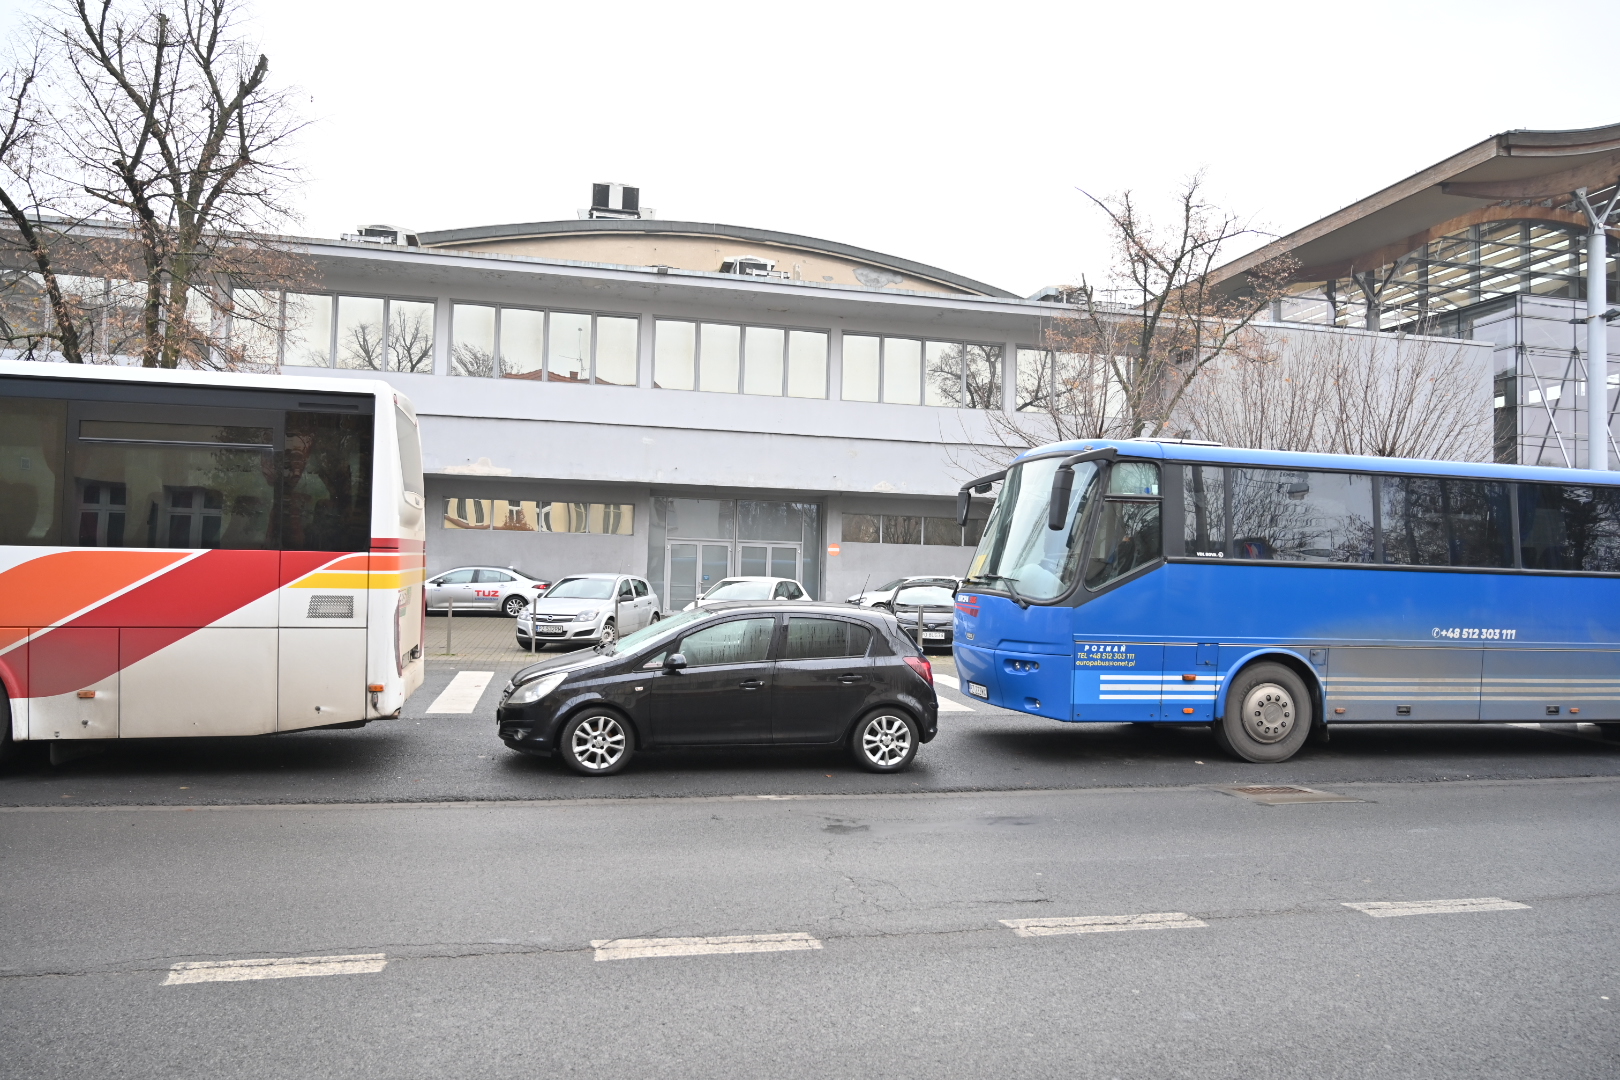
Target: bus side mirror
(1057, 512)
(963, 499)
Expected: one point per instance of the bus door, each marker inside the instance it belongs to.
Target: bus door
(1117, 680)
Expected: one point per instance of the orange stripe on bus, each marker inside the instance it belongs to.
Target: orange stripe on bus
(46, 590)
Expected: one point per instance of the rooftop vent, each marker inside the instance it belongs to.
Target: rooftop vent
(616, 201)
(752, 266)
(384, 234)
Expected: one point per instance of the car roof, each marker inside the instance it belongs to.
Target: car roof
(796, 607)
(752, 577)
(575, 577)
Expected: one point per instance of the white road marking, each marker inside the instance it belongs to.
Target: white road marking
(1102, 924)
(462, 695)
(1381, 909)
(635, 948)
(948, 680)
(947, 705)
(294, 967)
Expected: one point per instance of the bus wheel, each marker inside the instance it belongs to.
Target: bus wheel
(1268, 714)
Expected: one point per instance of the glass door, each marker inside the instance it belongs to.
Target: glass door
(693, 568)
(768, 560)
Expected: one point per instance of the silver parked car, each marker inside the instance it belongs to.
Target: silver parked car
(586, 609)
(751, 588)
(483, 588)
(884, 594)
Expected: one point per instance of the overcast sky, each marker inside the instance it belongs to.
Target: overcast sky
(952, 134)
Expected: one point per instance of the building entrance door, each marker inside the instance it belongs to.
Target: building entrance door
(694, 566)
(769, 560)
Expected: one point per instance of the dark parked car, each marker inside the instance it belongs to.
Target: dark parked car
(740, 673)
(926, 612)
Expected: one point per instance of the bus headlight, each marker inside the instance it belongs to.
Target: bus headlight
(532, 691)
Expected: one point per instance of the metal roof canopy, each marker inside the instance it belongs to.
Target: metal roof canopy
(1534, 168)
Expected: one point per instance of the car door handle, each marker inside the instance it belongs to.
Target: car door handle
(847, 679)
(751, 684)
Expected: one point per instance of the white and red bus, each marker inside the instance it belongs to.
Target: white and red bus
(191, 553)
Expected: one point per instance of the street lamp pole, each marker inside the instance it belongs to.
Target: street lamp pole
(1597, 327)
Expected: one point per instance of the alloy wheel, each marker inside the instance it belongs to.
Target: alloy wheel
(886, 740)
(598, 743)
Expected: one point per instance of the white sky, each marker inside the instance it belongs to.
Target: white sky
(949, 134)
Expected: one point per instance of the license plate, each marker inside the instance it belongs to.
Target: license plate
(978, 690)
(933, 635)
(557, 630)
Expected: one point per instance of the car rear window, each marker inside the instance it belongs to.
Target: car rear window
(818, 639)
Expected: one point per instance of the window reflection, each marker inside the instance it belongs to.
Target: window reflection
(308, 340)
(569, 348)
(472, 340)
(523, 343)
(410, 336)
(360, 333)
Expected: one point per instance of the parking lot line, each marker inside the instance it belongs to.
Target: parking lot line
(949, 680)
(462, 695)
(636, 948)
(1102, 924)
(294, 967)
(1382, 909)
(947, 705)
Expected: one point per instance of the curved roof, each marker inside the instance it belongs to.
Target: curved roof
(535, 230)
(1516, 173)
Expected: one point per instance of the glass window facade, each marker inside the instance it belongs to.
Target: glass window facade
(556, 346)
(909, 371)
(726, 358)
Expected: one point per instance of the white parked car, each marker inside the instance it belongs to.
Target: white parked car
(751, 588)
(883, 595)
(588, 609)
(483, 588)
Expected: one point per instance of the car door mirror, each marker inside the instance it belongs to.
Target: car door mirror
(674, 662)
(437, 581)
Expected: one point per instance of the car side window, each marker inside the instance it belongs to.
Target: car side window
(820, 639)
(490, 577)
(625, 591)
(781, 591)
(741, 641)
(640, 586)
(457, 577)
(794, 592)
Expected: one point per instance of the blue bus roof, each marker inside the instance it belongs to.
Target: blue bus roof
(1287, 459)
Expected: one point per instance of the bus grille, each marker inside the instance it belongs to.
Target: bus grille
(330, 607)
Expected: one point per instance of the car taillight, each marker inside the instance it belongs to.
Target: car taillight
(921, 666)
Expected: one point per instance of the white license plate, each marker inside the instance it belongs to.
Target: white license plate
(978, 690)
(557, 630)
(933, 635)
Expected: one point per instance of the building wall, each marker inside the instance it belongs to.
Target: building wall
(703, 253)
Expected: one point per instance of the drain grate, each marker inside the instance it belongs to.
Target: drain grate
(1281, 794)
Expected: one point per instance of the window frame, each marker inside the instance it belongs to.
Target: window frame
(742, 328)
(923, 342)
(595, 315)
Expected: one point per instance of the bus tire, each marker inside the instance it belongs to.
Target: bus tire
(1268, 714)
(596, 742)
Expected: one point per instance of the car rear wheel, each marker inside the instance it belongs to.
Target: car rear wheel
(1268, 714)
(884, 741)
(514, 606)
(596, 743)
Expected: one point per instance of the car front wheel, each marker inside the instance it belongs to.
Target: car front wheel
(514, 606)
(596, 743)
(610, 633)
(884, 741)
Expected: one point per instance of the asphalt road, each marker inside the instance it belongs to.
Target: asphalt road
(432, 758)
(478, 923)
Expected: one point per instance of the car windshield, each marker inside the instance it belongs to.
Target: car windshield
(895, 584)
(1018, 550)
(659, 630)
(740, 590)
(925, 596)
(581, 588)
(522, 574)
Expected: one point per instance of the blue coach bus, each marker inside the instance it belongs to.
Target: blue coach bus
(1268, 594)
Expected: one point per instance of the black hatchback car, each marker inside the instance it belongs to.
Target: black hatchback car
(731, 674)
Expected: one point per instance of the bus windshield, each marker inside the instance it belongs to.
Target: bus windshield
(1018, 550)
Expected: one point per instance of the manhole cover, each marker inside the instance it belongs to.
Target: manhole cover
(1279, 794)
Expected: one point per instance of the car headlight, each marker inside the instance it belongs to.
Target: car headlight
(535, 689)
(586, 616)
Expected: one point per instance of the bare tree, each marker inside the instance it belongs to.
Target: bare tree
(1121, 365)
(24, 145)
(1347, 393)
(166, 146)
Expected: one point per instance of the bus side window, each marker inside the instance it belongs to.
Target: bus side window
(326, 482)
(32, 446)
(1433, 521)
(1128, 532)
(1569, 528)
(1203, 490)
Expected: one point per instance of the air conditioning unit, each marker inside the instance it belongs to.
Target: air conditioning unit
(616, 201)
(751, 266)
(384, 234)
